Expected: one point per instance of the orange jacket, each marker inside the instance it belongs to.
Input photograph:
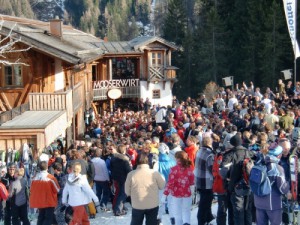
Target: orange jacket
(43, 191)
(191, 151)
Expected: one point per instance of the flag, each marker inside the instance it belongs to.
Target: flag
(290, 15)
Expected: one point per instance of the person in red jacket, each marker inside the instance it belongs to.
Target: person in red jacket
(191, 149)
(43, 194)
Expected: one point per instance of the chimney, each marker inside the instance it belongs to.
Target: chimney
(105, 39)
(56, 27)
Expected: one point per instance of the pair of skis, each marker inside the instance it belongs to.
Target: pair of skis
(12, 156)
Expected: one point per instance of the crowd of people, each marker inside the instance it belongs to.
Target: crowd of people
(159, 158)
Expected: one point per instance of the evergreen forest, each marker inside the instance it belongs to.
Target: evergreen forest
(246, 39)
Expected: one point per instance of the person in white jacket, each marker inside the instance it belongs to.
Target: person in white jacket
(101, 180)
(78, 193)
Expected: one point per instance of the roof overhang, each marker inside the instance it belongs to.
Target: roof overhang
(50, 123)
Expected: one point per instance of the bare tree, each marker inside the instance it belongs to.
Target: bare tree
(8, 45)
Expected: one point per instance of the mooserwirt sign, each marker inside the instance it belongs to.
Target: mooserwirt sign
(116, 83)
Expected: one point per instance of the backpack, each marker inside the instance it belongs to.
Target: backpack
(218, 185)
(247, 165)
(3, 192)
(242, 187)
(259, 180)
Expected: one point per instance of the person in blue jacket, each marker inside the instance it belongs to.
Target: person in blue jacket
(269, 207)
(165, 163)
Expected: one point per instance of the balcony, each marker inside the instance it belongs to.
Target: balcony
(159, 73)
(52, 102)
(170, 72)
(127, 92)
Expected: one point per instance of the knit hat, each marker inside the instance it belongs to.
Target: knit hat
(163, 148)
(236, 140)
(276, 151)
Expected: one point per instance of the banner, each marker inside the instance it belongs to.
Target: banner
(290, 15)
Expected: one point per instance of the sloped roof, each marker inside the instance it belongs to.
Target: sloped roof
(75, 46)
(32, 120)
(145, 40)
(116, 47)
(37, 35)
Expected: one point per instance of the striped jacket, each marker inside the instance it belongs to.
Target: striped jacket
(203, 168)
(43, 191)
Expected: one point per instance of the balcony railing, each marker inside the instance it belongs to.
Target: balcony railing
(162, 73)
(127, 92)
(52, 102)
(9, 115)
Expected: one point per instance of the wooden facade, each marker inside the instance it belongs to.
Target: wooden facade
(47, 82)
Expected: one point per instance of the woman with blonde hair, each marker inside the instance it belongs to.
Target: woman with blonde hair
(181, 178)
(18, 193)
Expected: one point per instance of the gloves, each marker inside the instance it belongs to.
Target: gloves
(98, 208)
(163, 199)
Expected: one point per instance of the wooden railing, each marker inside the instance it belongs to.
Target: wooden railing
(160, 73)
(127, 92)
(52, 102)
(9, 115)
(156, 72)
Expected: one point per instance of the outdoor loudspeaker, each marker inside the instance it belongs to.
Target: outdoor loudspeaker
(286, 74)
(227, 81)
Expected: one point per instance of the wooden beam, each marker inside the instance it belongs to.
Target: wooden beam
(17, 132)
(6, 102)
(25, 92)
(94, 108)
(2, 107)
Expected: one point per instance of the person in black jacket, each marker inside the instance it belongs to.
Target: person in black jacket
(6, 180)
(224, 202)
(242, 205)
(120, 166)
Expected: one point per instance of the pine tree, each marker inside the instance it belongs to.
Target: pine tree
(277, 53)
(175, 25)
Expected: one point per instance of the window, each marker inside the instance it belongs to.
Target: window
(124, 68)
(156, 58)
(94, 72)
(155, 94)
(13, 75)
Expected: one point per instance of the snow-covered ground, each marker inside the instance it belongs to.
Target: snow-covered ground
(110, 219)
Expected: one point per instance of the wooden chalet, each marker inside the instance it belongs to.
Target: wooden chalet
(139, 68)
(67, 71)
